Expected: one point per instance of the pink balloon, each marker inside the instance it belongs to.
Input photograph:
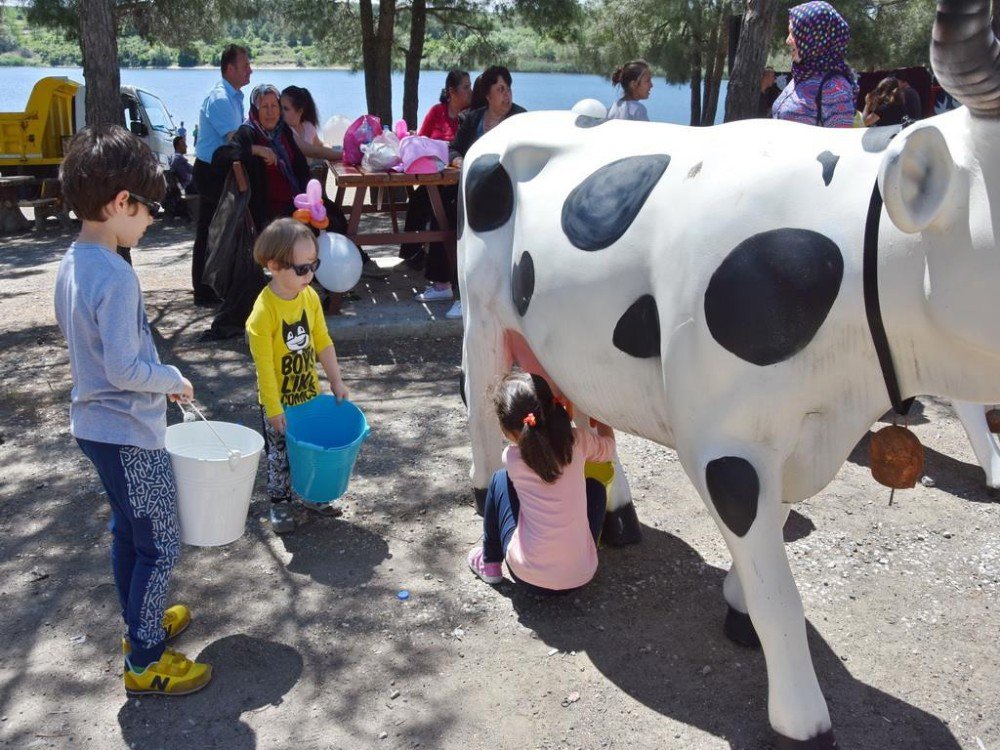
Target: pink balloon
(318, 211)
(315, 191)
(302, 201)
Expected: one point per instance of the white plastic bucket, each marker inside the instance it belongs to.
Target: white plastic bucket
(213, 490)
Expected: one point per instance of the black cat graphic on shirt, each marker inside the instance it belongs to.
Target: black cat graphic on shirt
(296, 334)
(298, 367)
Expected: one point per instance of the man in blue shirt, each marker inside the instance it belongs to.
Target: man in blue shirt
(221, 114)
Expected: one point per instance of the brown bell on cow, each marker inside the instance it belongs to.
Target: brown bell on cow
(896, 457)
(993, 420)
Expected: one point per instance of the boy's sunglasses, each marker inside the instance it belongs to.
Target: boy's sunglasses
(153, 206)
(303, 269)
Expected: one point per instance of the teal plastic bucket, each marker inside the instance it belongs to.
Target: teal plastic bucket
(323, 439)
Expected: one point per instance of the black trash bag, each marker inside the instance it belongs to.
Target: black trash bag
(231, 236)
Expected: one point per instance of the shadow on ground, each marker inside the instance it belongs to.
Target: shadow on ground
(250, 674)
(681, 665)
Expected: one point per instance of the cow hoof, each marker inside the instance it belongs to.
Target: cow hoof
(621, 527)
(480, 497)
(825, 741)
(739, 629)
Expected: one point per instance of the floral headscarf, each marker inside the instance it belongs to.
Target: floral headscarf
(279, 138)
(821, 35)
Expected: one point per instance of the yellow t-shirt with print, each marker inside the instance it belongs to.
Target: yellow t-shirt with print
(285, 336)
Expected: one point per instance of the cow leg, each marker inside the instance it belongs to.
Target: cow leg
(621, 524)
(738, 626)
(745, 500)
(485, 360)
(984, 445)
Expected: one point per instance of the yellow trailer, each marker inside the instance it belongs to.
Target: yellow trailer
(34, 140)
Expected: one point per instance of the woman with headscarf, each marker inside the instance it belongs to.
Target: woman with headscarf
(823, 86)
(277, 171)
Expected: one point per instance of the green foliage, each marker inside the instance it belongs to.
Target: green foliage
(529, 35)
(884, 35)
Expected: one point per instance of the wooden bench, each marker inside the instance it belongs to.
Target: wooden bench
(49, 203)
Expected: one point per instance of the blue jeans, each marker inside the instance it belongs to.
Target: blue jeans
(502, 507)
(145, 542)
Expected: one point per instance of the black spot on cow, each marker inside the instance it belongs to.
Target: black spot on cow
(733, 486)
(771, 294)
(739, 628)
(586, 121)
(600, 209)
(489, 194)
(621, 526)
(637, 332)
(693, 172)
(829, 162)
(522, 283)
(877, 139)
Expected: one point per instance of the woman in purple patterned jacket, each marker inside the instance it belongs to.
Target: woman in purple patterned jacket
(823, 86)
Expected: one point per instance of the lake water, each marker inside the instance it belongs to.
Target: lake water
(343, 92)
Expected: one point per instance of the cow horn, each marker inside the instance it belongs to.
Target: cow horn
(965, 55)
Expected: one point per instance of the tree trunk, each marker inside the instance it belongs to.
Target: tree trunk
(743, 96)
(99, 48)
(695, 86)
(720, 43)
(376, 53)
(411, 76)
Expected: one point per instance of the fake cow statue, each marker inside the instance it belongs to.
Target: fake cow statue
(754, 295)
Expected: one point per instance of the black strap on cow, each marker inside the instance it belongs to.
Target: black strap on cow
(873, 309)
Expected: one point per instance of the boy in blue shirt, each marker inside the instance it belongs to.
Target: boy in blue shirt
(118, 405)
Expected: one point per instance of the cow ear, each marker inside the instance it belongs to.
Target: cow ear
(915, 178)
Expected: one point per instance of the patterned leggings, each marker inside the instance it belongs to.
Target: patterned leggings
(279, 482)
(146, 537)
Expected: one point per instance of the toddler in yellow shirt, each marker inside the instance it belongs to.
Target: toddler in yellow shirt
(287, 334)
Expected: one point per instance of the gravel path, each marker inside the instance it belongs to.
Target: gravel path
(313, 649)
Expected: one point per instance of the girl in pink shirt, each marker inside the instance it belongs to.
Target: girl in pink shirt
(541, 514)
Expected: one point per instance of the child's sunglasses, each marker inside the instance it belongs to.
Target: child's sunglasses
(153, 206)
(304, 268)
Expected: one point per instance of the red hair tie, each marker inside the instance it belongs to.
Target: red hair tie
(530, 419)
(559, 401)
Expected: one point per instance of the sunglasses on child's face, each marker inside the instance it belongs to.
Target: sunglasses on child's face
(153, 206)
(304, 268)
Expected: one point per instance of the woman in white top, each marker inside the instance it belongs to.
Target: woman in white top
(636, 80)
(299, 112)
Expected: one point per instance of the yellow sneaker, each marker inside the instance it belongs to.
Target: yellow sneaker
(172, 674)
(175, 621)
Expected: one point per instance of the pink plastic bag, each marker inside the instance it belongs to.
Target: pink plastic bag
(360, 132)
(421, 155)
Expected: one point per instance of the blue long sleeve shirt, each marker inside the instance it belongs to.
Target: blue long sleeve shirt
(119, 384)
(221, 113)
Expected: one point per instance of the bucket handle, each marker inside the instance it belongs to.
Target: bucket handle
(234, 454)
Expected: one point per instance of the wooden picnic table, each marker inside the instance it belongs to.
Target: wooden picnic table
(382, 190)
(11, 218)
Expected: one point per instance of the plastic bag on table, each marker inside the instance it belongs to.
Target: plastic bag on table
(359, 133)
(382, 154)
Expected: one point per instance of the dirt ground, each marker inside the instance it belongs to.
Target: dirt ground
(313, 649)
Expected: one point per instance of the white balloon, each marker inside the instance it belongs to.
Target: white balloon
(334, 130)
(339, 262)
(590, 108)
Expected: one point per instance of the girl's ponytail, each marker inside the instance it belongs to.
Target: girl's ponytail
(525, 407)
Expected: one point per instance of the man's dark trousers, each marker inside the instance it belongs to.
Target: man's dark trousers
(209, 187)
